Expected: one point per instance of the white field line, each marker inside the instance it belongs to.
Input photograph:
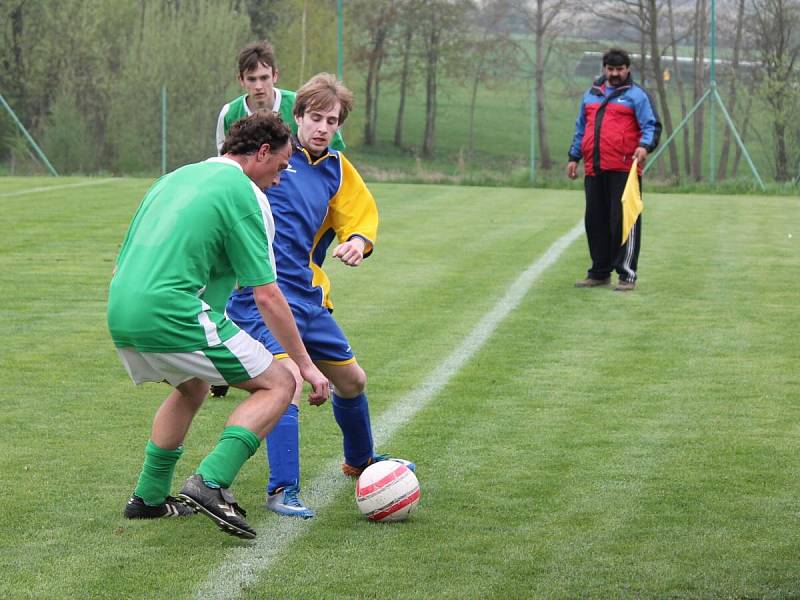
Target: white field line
(242, 566)
(58, 187)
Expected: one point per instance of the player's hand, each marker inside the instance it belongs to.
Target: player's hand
(320, 387)
(351, 252)
(572, 169)
(640, 154)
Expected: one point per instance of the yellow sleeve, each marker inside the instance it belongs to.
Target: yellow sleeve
(353, 210)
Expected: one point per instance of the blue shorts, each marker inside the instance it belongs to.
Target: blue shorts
(323, 338)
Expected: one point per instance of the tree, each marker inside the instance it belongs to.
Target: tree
(168, 46)
(733, 85)
(651, 16)
(542, 19)
(678, 78)
(442, 25)
(699, 86)
(374, 20)
(263, 17)
(27, 62)
(778, 26)
(493, 56)
(304, 37)
(405, 80)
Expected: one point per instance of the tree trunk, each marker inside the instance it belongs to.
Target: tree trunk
(781, 155)
(678, 78)
(545, 160)
(430, 86)
(743, 136)
(303, 43)
(655, 57)
(472, 101)
(398, 126)
(642, 44)
(376, 53)
(369, 121)
(733, 84)
(699, 83)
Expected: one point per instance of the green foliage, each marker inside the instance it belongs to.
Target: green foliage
(196, 76)
(599, 445)
(68, 139)
(304, 38)
(104, 72)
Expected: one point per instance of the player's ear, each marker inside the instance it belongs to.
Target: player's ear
(275, 74)
(263, 152)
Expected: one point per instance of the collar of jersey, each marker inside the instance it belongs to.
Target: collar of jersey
(298, 147)
(225, 161)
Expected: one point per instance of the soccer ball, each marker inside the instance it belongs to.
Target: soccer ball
(387, 491)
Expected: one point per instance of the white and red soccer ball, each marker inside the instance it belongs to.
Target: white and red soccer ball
(387, 491)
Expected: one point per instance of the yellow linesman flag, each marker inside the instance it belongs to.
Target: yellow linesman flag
(631, 202)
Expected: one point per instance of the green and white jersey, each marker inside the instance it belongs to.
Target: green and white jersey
(284, 103)
(198, 232)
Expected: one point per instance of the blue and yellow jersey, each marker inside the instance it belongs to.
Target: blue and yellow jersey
(314, 203)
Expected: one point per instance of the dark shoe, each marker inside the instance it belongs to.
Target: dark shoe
(137, 509)
(625, 286)
(219, 391)
(219, 505)
(352, 471)
(589, 282)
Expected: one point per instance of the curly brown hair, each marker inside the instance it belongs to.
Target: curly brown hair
(248, 134)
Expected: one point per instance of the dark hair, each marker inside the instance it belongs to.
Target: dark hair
(616, 57)
(322, 92)
(254, 54)
(248, 134)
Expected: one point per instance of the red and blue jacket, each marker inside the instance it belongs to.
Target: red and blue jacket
(612, 123)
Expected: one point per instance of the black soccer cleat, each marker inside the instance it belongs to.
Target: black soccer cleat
(219, 505)
(219, 391)
(137, 509)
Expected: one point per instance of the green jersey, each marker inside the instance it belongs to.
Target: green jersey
(198, 232)
(284, 103)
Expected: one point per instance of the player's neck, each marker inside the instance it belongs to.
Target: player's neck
(254, 108)
(312, 155)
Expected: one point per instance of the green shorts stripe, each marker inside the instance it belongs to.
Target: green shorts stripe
(236, 360)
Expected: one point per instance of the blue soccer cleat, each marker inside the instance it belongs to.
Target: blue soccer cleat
(352, 471)
(285, 502)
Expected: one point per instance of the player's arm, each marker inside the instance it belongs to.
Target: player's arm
(279, 319)
(249, 250)
(577, 137)
(354, 217)
(648, 120)
(220, 134)
(574, 154)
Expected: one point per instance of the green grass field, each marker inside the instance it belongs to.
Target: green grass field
(598, 445)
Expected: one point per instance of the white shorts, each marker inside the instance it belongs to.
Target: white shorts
(233, 361)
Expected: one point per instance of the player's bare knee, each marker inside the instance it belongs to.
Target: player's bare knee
(352, 383)
(282, 377)
(194, 392)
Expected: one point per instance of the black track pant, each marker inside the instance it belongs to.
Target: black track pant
(603, 222)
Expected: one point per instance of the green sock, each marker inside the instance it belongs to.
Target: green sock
(157, 471)
(235, 446)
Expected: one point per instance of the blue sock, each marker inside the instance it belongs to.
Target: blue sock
(352, 415)
(283, 451)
